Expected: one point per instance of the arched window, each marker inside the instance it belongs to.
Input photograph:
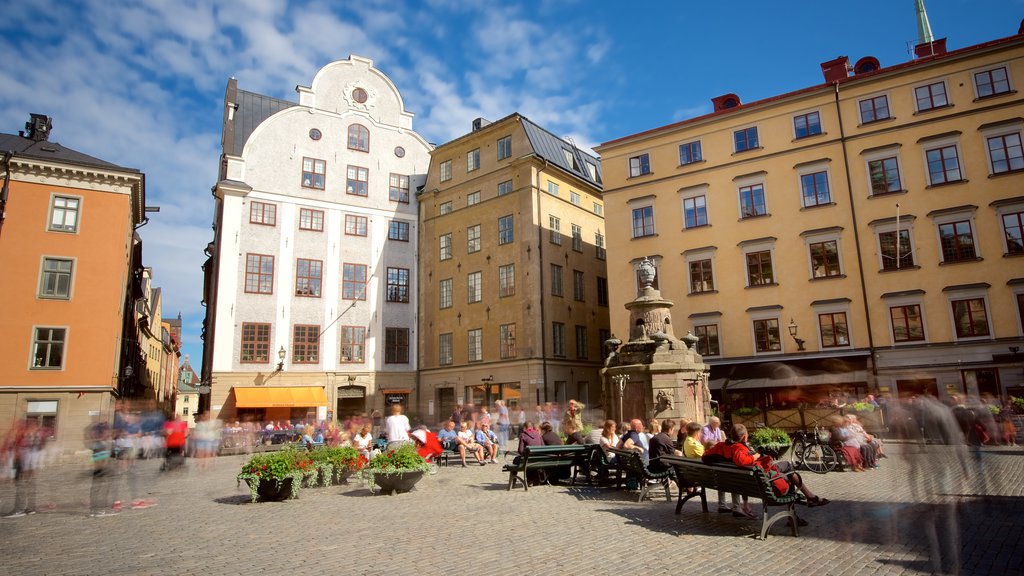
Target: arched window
(358, 138)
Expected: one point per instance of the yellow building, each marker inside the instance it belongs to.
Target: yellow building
(861, 234)
(513, 289)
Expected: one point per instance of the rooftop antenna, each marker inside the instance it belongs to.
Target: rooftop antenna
(924, 28)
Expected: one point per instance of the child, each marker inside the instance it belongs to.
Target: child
(1009, 431)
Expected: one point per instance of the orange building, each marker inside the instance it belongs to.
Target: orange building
(67, 244)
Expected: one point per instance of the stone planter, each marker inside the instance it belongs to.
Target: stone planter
(271, 490)
(399, 482)
(340, 476)
(776, 451)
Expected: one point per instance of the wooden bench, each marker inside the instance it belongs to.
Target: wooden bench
(751, 482)
(631, 463)
(596, 467)
(543, 457)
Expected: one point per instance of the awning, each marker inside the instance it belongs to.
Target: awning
(853, 377)
(789, 373)
(280, 397)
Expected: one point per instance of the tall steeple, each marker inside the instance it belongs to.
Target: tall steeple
(924, 28)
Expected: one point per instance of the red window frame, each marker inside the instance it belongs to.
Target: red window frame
(929, 97)
(255, 274)
(353, 338)
(354, 177)
(901, 316)
(310, 219)
(884, 167)
(945, 173)
(951, 239)
(308, 281)
(1013, 231)
(764, 330)
(830, 323)
(263, 213)
(831, 266)
(757, 263)
(352, 286)
(973, 311)
(809, 128)
(255, 339)
(305, 344)
(399, 188)
(874, 102)
(358, 138)
(396, 345)
(314, 175)
(707, 333)
(355, 225)
(1011, 152)
(702, 277)
(986, 78)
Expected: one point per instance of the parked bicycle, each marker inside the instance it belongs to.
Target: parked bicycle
(811, 451)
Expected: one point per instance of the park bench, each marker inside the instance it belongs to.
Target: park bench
(631, 464)
(545, 457)
(597, 469)
(750, 482)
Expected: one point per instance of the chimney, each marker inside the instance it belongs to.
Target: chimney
(725, 101)
(39, 126)
(480, 123)
(933, 48)
(836, 70)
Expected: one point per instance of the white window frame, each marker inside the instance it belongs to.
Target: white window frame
(698, 255)
(575, 198)
(445, 343)
(475, 345)
(773, 314)
(934, 144)
(502, 185)
(472, 198)
(446, 170)
(553, 187)
(445, 208)
(969, 294)
(504, 144)
(892, 151)
(473, 241)
(814, 168)
(751, 180)
(929, 82)
(987, 68)
(473, 160)
(445, 293)
(689, 193)
(444, 246)
(817, 238)
(761, 246)
(1003, 129)
(474, 288)
(907, 300)
(969, 214)
(78, 213)
(833, 308)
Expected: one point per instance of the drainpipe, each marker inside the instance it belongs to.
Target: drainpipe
(540, 255)
(6, 188)
(856, 240)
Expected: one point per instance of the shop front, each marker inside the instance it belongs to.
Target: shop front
(308, 403)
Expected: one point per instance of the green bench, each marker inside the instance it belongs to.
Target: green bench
(750, 482)
(543, 457)
(631, 463)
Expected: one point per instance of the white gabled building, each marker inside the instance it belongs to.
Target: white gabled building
(314, 251)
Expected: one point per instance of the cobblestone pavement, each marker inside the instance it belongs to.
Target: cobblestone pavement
(928, 509)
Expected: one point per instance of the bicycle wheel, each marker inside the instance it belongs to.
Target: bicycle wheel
(797, 455)
(819, 459)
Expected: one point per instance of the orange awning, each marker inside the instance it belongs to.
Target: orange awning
(280, 397)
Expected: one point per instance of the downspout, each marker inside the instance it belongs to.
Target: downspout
(856, 240)
(6, 188)
(540, 255)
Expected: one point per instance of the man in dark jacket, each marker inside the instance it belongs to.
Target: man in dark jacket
(661, 444)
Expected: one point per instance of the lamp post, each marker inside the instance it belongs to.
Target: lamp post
(792, 332)
(620, 382)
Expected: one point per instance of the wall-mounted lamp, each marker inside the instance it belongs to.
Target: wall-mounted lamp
(281, 354)
(792, 332)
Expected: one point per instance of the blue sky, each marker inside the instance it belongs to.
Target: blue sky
(141, 82)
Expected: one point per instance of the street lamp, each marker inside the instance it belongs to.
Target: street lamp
(620, 381)
(792, 332)
(281, 354)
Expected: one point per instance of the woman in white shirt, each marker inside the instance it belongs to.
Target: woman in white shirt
(364, 442)
(396, 427)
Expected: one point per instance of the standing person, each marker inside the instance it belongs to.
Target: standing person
(573, 413)
(520, 420)
(457, 415)
(504, 423)
(538, 415)
(396, 427)
(98, 439)
(175, 438)
(26, 444)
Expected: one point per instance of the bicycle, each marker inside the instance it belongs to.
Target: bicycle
(812, 452)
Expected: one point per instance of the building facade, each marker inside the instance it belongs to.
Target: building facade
(863, 234)
(311, 306)
(67, 238)
(513, 288)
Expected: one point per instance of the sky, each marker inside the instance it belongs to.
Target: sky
(141, 82)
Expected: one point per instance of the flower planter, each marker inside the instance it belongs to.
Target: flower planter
(397, 482)
(340, 476)
(270, 490)
(774, 450)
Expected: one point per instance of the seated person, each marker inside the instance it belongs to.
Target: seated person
(489, 440)
(447, 436)
(692, 446)
(427, 444)
(572, 435)
(609, 439)
(364, 442)
(549, 436)
(530, 436)
(662, 444)
(631, 440)
(466, 441)
(845, 441)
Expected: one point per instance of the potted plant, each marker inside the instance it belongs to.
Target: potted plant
(396, 470)
(337, 463)
(770, 441)
(275, 475)
(863, 407)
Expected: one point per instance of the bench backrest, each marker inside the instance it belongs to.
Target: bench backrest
(555, 453)
(629, 460)
(725, 477)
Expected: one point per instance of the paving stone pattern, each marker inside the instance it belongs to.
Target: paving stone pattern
(929, 509)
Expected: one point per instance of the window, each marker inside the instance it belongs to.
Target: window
(885, 176)
(305, 344)
(357, 181)
(1004, 153)
(353, 282)
(834, 331)
(874, 109)
(752, 201)
(396, 345)
(707, 345)
(473, 198)
(556, 280)
(311, 219)
(759, 268)
(445, 293)
(578, 288)
(473, 239)
(970, 318)
(558, 338)
(504, 187)
(398, 285)
(552, 188)
(825, 259)
(598, 209)
(991, 82)
(55, 280)
(601, 252)
(445, 208)
(474, 287)
(702, 277)
(581, 342)
(602, 291)
(689, 153)
(445, 246)
(399, 188)
(507, 341)
(444, 349)
(887, 242)
(398, 230)
(64, 214)
(1013, 231)
(639, 165)
(555, 230)
(957, 241)
(359, 136)
(931, 96)
(506, 280)
(506, 233)
(355, 225)
(806, 125)
(643, 222)
(766, 335)
(446, 170)
(259, 274)
(313, 173)
(577, 237)
(475, 341)
(255, 342)
(570, 159)
(504, 147)
(574, 198)
(695, 212)
(815, 189)
(473, 160)
(745, 139)
(263, 213)
(943, 165)
(48, 348)
(907, 325)
(353, 343)
(308, 275)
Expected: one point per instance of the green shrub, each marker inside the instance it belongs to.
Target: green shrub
(862, 407)
(769, 436)
(1018, 405)
(747, 411)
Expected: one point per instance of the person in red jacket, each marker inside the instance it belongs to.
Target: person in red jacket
(427, 444)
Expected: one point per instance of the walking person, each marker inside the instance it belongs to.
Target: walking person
(397, 427)
(175, 438)
(26, 442)
(99, 440)
(504, 423)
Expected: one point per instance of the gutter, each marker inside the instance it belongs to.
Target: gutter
(6, 187)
